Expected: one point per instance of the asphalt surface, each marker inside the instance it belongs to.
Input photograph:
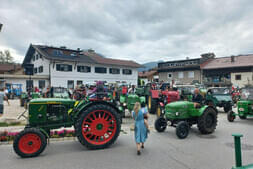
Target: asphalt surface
(162, 150)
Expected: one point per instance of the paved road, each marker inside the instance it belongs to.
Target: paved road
(162, 150)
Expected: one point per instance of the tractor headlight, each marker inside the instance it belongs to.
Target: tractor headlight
(177, 113)
(241, 109)
(124, 104)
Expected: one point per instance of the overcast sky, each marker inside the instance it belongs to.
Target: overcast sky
(140, 30)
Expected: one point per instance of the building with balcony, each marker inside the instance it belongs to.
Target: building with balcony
(228, 71)
(183, 71)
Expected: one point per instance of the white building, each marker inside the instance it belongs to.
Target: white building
(67, 68)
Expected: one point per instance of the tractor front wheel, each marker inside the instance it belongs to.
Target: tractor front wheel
(231, 116)
(98, 126)
(29, 143)
(182, 129)
(207, 122)
(160, 124)
(227, 108)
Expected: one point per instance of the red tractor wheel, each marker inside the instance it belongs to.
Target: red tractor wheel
(98, 126)
(29, 143)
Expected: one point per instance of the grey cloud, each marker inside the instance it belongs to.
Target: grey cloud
(143, 30)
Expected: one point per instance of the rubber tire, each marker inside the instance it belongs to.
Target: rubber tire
(160, 124)
(153, 108)
(34, 131)
(243, 117)
(159, 108)
(230, 116)
(92, 108)
(202, 121)
(227, 108)
(182, 129)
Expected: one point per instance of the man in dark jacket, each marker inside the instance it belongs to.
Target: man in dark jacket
(197, 98)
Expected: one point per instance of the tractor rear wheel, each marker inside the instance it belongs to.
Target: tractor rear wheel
(29, 143)
(207, 122)
(231, 116)
(98, 126)
(160, 124)
(182, 129)
(152, 105)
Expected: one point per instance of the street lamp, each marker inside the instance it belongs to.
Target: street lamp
(1, 25)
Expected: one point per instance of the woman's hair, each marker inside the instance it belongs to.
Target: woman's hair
(137, 107)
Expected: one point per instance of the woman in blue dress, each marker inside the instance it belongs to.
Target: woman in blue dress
(140, 130)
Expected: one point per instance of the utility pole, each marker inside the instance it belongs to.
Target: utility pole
(1, 25)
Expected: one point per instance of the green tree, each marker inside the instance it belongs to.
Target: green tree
(8, 57)
(5, 57)
(2, 57)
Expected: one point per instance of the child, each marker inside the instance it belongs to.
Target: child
(145, 112)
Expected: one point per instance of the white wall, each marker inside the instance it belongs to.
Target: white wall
(246, 78)
(41, 62)
(59, 78)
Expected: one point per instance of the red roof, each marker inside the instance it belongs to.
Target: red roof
(147, 74)
(101, 60)
(8, 67)
(226, 62)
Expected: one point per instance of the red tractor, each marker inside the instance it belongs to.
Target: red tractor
(158, 99)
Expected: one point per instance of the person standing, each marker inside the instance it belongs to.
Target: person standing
(1, 102)
(140, 130)
(6, 93)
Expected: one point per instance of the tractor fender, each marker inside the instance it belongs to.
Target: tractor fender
(87, 105)
(203, 109)
(142, 99)
(44, 132)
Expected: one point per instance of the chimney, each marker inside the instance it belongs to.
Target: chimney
(187, 58)
(63, 47)
(91, 50)
(232, 58)
(78, 49)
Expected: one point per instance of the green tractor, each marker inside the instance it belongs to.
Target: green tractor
(97, 124)
(244, 106)
(219, 97)
(183, 115)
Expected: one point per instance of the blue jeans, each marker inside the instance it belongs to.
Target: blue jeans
(1, 108)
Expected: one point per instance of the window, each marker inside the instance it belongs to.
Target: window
(100, 70)
(37, 56)
(70, 84)
(169, 75)
(33, 57)
(190, 74)
(238, 77)
(42, 84)
(29, 84)
(79, 82)
(40, 69)
(180, 75)
(64, 67)
(84, 69)
(114, 71)
(35, 70)
(127, 71)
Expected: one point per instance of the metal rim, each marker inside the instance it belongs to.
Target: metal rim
(29, 143)
(99, 127)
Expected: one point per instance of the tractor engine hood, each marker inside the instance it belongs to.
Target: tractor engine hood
(179, 106)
